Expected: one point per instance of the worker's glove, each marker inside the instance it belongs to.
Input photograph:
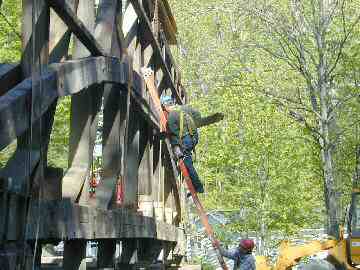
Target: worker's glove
(177, 152)
(216, 243)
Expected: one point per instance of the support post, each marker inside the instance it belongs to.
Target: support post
(106, 254)
(74, 255)
(84, 110)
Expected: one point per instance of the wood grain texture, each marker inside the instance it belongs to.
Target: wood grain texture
(63, 9)
(65, 220)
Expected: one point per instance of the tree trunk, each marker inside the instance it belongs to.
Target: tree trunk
(331, 199)
(356, 178)
(327, 146)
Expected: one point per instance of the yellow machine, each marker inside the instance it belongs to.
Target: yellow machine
(354, 225)
(343, 253)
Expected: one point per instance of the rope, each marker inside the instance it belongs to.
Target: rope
(35, 75)
(41, 161)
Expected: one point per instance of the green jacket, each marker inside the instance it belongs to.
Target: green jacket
(191, 119)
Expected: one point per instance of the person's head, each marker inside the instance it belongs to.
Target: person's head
(246, 245)
(167, 101)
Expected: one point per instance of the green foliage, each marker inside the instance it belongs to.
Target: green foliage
(204, 265)
(59, 140)
(10, 28)
(258, 160)
(10, 52)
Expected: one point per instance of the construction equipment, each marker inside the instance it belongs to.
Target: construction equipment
(343, 253)
(148, 75)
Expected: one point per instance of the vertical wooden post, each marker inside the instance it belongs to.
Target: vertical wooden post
(107, 35)
(84, 111)
(132, 159)
(168, 195)
(35, 44)
(59, 35)
(129, 247)
(148, 251)
(106, 254)
(146, 181)
(74, 255)
(158, 190)
(146, 205)
(130, 29)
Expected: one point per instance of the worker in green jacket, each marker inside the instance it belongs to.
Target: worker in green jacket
(183, 121)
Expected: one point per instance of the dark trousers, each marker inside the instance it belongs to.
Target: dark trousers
(188, 144)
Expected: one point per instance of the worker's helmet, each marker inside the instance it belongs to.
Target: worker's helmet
(166, 100)
(247, 244)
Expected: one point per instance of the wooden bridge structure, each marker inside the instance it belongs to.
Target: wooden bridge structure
(93, 53)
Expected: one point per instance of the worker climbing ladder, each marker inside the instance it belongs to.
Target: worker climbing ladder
(148, 75)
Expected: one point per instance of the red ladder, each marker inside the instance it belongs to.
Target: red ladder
(148, 75)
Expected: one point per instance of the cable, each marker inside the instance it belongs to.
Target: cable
(35, 76)
(39, 143)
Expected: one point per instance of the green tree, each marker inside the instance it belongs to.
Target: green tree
(311, 39)
(10, 29)
(261, 158)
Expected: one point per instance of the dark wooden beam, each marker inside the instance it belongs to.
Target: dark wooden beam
(58, 80)
(64, 220)
(173, 179)
(10, 75)
(157, 49)
(63, 9)
(59, 35)
(85, 107)
(146, 110)
(74, 257)
(113, 97)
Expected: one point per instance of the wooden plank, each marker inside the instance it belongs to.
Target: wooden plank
(10, 75)
(168, 22)
(167, 9)
(18, 169)
(106, 254)
(146, 204)
(128, 249)
(41, 35)
(106, 34)
(148, 250)
(156, 46)
(145, 151)
(35, 46)
(21, 157)
(29, 144)
(132, 159)
(59, 35)
(146, 164)
(147, 112)
(64, 11)
(3, 209)
(158, 179)
(84, 109)
(74, 255)
(62, 79)
(130, 27)
(64, 220)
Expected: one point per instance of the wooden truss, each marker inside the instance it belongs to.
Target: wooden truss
(41, 204)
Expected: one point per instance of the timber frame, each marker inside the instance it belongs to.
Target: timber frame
(40, 204)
